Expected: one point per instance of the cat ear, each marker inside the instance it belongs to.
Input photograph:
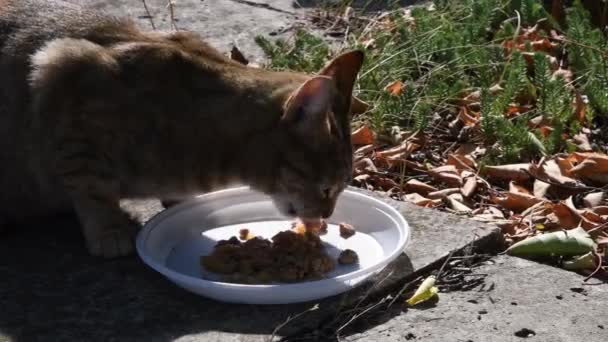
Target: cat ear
(308, 106)
(343, 70)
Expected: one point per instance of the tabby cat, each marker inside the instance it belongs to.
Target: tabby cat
(93, 110)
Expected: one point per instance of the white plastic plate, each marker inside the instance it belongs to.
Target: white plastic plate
(173, 241)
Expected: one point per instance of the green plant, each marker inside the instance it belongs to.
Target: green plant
(442, 53)
(588, 51)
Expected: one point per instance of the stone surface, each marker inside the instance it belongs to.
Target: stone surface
(221, 22)
(517, 295)
(52, 290)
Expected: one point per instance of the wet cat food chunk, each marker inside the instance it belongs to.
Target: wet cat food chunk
(348, 257)
(245, 234)
(346, 230)
(289, 256)
(316, 227)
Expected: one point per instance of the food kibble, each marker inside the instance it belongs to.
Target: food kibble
(318, 229)
(348, 257)
(346, 230)
(290, 256)
(243, 234)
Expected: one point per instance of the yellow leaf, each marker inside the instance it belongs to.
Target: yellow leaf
(425, 291)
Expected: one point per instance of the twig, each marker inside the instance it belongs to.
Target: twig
(444, 264)
(291, 318)
(171, 5)
(515, 36)
(359, 315)
(600, 227)
(149, 14)
(597, 269)
(405, 287)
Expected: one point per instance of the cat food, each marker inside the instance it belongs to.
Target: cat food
(245, 235)
(346, 230)
(290, 256)
(348, 257)
(317, 228)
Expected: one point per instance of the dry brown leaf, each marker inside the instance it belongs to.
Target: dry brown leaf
(466, 149)
(594, 168)
(510, 172)
(545, 131)
(466, 118)
(474, 96)
(365, 164)
(362, 136)
(385, 183)
(422, 201)
(592, 217)
(461, 162)
(582, 142)
(567, 216)
(396, 88)
(414, 185)
(556, 171)
(601, 210)
(447, 174)
(457, 205)
(544, 44)
(516, 202)
(470, 185)
(518, 189)
(488, 213)
(593, 199)
(440, 194)
(364, 150)
(456, 196)
(406, 148)
(540, 189)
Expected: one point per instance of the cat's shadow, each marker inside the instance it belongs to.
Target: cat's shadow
(52, 290)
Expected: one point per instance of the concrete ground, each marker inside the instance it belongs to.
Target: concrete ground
(51, 290)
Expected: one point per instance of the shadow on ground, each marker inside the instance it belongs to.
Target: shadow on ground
(53, 291)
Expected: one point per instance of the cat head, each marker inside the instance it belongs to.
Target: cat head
(315, 152)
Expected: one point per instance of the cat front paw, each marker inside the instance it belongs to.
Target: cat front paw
(111, 243)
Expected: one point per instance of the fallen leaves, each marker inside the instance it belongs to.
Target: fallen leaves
(395, 88)
(541, 207)
(512, 172)
(362, 136)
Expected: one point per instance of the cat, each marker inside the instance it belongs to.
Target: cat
(93, 110)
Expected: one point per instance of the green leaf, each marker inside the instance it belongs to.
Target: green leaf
(583, 262)
(563, 243)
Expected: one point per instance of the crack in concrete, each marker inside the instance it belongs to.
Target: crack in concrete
(264, 6)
